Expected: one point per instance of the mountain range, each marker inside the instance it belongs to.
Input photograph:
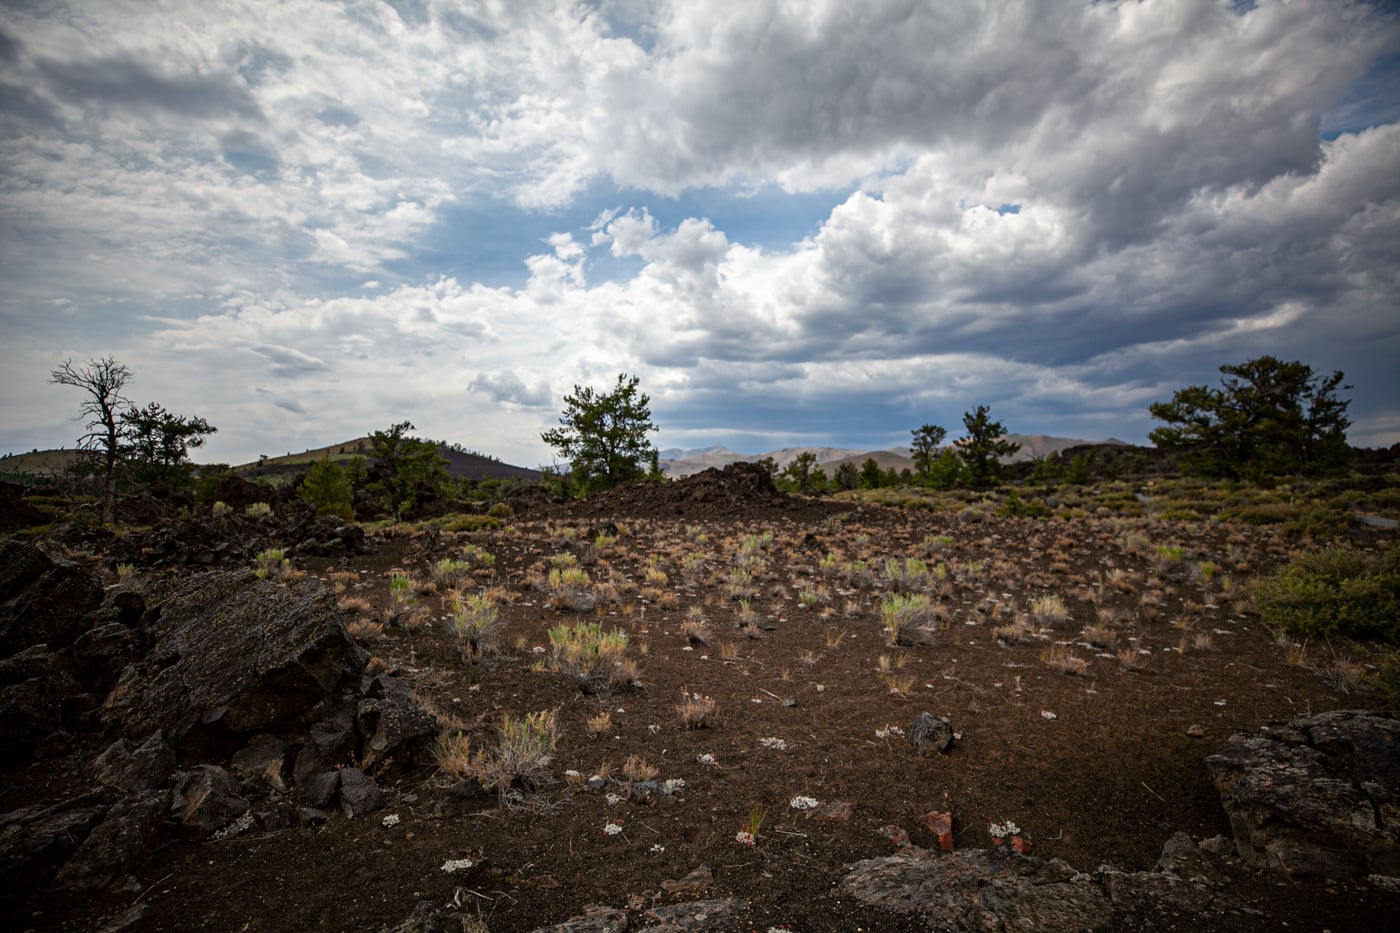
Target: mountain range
(677, 462)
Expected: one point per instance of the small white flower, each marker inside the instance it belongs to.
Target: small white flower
(538, 649)
(744, 838)
(706, 759)
(1002, 830)
(803, 803)
(888, 731)
(612, 829)
(1047, 714)
(391, 820)
(657, 847)
(613, 800)
(773, 742)
(671, 785)
(457, 864)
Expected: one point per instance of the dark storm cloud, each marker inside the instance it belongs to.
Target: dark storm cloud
(136, 85)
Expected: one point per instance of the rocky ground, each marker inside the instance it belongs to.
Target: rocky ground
(195, 747)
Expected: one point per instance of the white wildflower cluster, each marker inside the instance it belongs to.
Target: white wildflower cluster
(242, 824)
(458, 864)
(391, 820)
(612, 829)
(776, 744)
(744, 838)
(613, 800)
(1002, 830)
(672, 785)
(571, 773)
(657, 847)
(706, 759)
(1048, 714)
(803, 803)
(888, 731)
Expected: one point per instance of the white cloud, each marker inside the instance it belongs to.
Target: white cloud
(1055, 206)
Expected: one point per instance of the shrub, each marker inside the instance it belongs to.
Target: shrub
(271, 563)
(258, 510)
(908, 620)
(477, 623)
(327, 487)
(451, 573)
(570, 588)
(522, 756)
(588, 655)
(1335, 591)
(1016, 507)
(470, 523)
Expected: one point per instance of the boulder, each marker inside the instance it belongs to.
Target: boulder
(118, 846)
(43, 599)
(329, 744)
(358, 793)
(1317, 797)
(262, 763)
(101, 653)
(233, 655)
(136, 768)
(206, 800)
(392, 723)
(327, 535)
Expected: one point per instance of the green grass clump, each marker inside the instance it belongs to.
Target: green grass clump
(909, 619)
(589, 655)
(1335, 591)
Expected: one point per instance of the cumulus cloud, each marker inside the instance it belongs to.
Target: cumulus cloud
(1062, 209)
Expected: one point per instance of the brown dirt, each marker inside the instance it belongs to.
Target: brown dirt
(1096, 768)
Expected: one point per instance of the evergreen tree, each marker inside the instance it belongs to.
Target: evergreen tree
(1269, 418)
(984, 447)
(603, 435)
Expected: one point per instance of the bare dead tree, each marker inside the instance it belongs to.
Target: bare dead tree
(103, 380)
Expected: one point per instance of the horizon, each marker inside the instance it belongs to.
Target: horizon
(798, 225)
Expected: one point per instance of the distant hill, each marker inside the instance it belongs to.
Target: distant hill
(38, 463)
(460, 464)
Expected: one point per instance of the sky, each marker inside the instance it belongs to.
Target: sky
(797, 222)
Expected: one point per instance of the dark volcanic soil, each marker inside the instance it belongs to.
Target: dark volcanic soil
(1096, 767)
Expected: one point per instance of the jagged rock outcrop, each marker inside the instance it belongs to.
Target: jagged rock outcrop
(118, 846)
(43, 599)
(36, 841)
(999, 890)
(722, 913)
(233, 655)
(1317, 797)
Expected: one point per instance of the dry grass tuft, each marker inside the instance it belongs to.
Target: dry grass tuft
(635, 768)
(696, 711)
(365, 630)
(1063, 659)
